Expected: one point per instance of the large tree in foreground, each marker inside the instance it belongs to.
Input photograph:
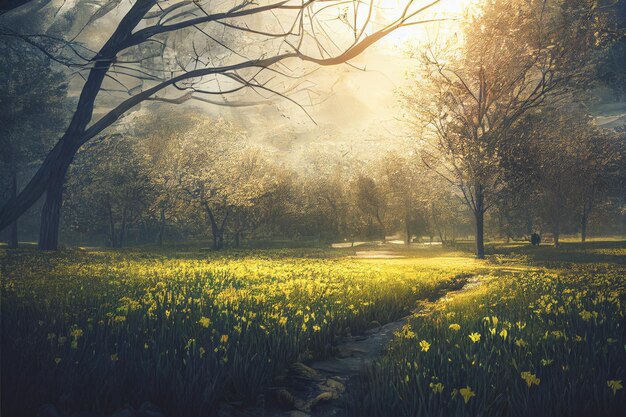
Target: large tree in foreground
(32, 106)
(514, 55)
(175, 51)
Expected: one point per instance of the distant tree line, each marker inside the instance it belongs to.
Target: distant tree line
(171, 177)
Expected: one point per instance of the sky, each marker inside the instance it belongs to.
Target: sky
(356, 110)
(350, 109)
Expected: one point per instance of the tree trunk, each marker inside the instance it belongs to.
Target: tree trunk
(220, 240)
(382, 227)
(161, 227)
(583, 227)
(479, 214)
(237, 238)
(407, 224)
(217, 230)
(480, 234)
(13, 241)
(122, 238)
(51, 212)
(215, 234)
(556, 230)
(112, 240)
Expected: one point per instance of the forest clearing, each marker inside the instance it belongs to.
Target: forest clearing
(312, 208)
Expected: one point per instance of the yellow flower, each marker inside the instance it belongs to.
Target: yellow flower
(503, 333)
(202, 351)
(615, 385)
(474, 337)
(520, 342)
(204, 322)
(531, 379)
(114, 357)
(76, 333)
(57, 360)
(467, 393)
(316, 328)
(436, 388)
(406, 332)
(224, 339)
(424, 345)
(455, 327)
(585, 315)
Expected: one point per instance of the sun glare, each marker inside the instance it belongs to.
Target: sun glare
(443, 19)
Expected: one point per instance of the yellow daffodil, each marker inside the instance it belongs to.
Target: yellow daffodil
(437, 388)
(467, 393)
(474, 337)
(531, 379)
(615, 385)
(205, 322)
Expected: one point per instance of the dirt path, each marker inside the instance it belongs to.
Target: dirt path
(320, 388)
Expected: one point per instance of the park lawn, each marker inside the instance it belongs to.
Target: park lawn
(97, 329)
(536, 337)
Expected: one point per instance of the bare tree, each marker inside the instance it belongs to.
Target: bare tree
(158, 49)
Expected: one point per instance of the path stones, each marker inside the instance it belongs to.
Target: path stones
(305, 388)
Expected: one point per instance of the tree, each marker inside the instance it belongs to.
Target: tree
(109, 188)
(400, 179)
(598, 156)
(514, 56)
(32, 105)
(576, 164)
(372, 201)
(145, 46)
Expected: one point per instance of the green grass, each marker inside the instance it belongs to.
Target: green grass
(94, 330)
(552, 342)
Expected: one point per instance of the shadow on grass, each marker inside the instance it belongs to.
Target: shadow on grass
(589, 252)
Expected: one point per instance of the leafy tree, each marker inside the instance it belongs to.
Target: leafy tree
(372, 201)
(109, 188)
(514, 55)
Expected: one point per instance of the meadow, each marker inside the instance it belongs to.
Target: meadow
(92, 330)
(535, 337)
